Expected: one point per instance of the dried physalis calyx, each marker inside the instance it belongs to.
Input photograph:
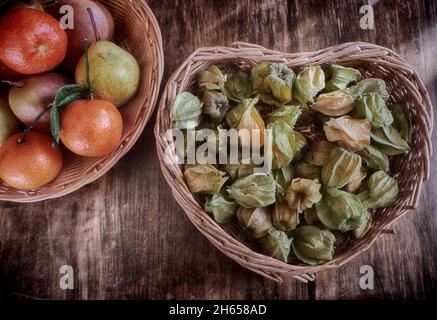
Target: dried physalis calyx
(306, 170)
(300, 144)
(380, 191)
(312, 245)
(215, 105)
(283, 144)
(284, 217)
(240, 170)
(341, 168)
(221, 208)
(402, 121)
(308, 83)
(318, 154)
(340, 210)
(310, 216)
(238, 86)
(276, 244)
(303, 194)
(289, 114)
(204, 179)
(254, 191)
(256, 221)
(339, 77)
(246, 117)
(351, 134)
(389, 140)
(186, 111)
(371, 106)
(336, 103)
(211, 79)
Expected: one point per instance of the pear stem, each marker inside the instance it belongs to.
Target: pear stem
(29, 128)
(87, 70)
(17, 84)
(93, 22)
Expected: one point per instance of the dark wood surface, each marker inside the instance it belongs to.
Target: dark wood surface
(125, 236)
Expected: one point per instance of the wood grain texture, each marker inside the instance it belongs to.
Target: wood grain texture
(125, 236)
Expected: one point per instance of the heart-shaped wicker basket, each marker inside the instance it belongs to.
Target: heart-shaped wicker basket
(410, 169)
(136, 30)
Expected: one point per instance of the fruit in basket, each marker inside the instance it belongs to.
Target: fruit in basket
(91, 128)
(114, 72)
(31, 163)
(313, 245)
(34, 94)
(83, 28)
(31, 41)
(8, 122)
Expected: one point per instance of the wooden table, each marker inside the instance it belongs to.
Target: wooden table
(125, 236)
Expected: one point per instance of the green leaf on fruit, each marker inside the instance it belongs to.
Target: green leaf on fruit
(65, 95)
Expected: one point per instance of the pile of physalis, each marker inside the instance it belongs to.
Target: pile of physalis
(38, 55)
(331, 135)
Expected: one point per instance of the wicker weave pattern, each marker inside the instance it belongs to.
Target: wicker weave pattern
(136, 30)
(410, 170)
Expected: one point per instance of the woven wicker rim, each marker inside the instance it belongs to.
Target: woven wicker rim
(137, 31)
(403, 84)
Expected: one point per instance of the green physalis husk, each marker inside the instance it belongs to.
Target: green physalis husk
(369, 85)
(246, 117)
(256, 221)
(336, 103)
(303, 194)
(283, 179)
(215, 105)
(312, 245)
(380, 191)
(309, 82)
(340, 77)
(289, 114)
(204, 179)
(284, 217)
(283, 144)
(389, 140)
(276, 244)
(340, 210)
(238, 86)
(211, 79)
(254, 191)
(279, 82)
(258, 74)
(340, 168)
(402, 121)
(374, 158)
(221, 208)
(186, 111)
(364, 226)
(371, 106)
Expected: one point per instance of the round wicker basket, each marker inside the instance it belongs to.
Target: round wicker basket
(410, 169)
(136, 30)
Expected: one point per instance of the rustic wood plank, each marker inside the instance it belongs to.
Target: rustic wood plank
(127, 238)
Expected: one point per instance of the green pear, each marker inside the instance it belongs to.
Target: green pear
(114, 72)
(8, 122)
